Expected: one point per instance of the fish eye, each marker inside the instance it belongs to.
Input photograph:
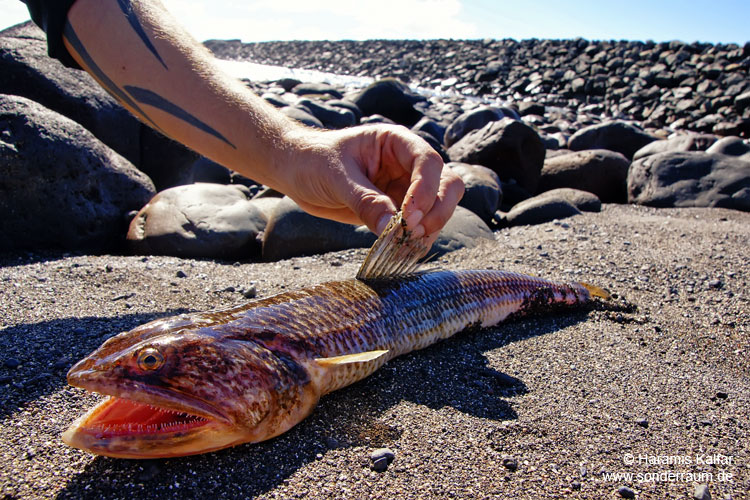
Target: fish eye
(150, 359)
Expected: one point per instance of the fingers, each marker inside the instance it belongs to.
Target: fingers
(449, 193)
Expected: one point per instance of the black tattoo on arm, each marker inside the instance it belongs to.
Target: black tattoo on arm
(127, 9)
(110, 86)
(150, 98)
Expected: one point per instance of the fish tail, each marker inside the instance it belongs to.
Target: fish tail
(596, 291)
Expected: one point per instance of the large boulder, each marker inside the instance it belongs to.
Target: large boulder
(483, 192)
(389, 98)
(538, 210)
(463, 230)
(26, 70)
(683, 142)
(60, 186)
(597, 171)
(732, 146)
(509, 147)
(690, 179)
(199, 221)
(471, 120)
(292, 232)
(582, 200)
(621, 137)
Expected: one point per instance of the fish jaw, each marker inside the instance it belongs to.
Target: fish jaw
(159, 432)
(142, 421)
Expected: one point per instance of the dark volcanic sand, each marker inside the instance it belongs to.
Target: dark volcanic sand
(566, 398)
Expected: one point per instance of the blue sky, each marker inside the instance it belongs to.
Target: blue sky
(725, 21)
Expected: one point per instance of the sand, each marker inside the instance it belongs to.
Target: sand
(547, 407)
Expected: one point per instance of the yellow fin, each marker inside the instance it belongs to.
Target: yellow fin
(394, 253)
(595, 291)
(360, 357)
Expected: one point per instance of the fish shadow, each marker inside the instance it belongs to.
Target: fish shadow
(453, 373)
(46, 351)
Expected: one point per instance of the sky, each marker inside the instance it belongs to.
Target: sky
(716, 21)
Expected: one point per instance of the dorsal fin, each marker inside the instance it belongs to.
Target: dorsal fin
(394, 253)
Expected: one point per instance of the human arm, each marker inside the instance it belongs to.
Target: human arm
(137, 52)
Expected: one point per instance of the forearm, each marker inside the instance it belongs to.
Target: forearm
(139, 54)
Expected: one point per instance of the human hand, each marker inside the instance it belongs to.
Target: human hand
(363, 175)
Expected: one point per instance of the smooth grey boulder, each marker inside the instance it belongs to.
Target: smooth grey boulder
(199, 221)
(292, 232)
(302, 115)
(60, 187)
(471, 120)
(690, 179)
(582, 200)
(26, 70)
(538, 210)
(483, 192)
(390, 98)
(510, 148)
(683, 142)
(618, 136)
(732, 146)
(331, 117)
(597, 171)
(463, 230)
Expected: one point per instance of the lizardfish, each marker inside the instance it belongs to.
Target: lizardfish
(200, 382)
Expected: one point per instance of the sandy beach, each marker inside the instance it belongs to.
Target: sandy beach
(564, 406)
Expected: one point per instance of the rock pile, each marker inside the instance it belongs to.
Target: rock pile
(561, 127)
(697, 86)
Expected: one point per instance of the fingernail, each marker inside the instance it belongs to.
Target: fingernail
(382, 223)
(417, 232)
(414, 218)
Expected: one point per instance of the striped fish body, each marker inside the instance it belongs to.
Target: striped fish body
(392, 316)
(205, 381)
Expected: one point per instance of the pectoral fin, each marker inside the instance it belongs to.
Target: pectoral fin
(360, 357)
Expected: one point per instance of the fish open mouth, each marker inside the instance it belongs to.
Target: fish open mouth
(117, 417)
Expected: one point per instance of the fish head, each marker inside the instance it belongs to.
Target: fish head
(182, 391)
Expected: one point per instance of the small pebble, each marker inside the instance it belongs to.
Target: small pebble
(701, 492)
(249, 292)
(510, 463)
(642, 422)
(12, 363)
(714, 284)
(722, 395)
(626, 492)
(181, 274)
(381, 458)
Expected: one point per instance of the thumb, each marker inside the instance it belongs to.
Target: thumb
(373, 207)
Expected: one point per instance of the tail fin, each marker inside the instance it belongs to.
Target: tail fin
(595, 291)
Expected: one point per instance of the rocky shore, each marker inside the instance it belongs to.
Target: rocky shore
(624, 164)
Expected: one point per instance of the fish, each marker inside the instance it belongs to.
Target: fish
(200, 382)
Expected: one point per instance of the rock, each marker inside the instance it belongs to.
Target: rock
(617, 136)
(61, 187)
(683, 142)
(597, 171)
(429, 126)
(381, 458)
(513, 194)
(302, 115)
(463, 230)
(582, 200)
(26, 70)
(292, 232)
(316, 89)
(390, 98)
(471, 120)
(330, 116)
(11, 363)
(538, 210)
(346, 104)
(510, 463)
(376, 119)
(626, 492)
(742, 101)
(701, 492)
(198, 221)
(690, 179)
(530, 108)
(205, 170)
(483, 192)
(642, 422)
(732, 146)
(509, 147)
(437, 146)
